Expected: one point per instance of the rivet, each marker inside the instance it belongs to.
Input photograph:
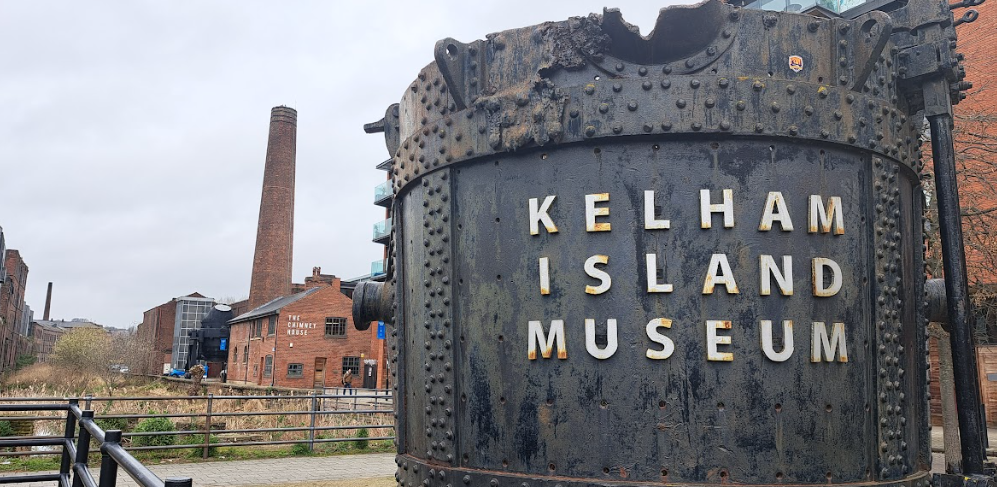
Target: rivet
(740, 105)
(666, 126)
(573, 113)
(837, 115)
(758, 85)
(711, 51)
(647, 127)
(632, 106)
(590, 131)
(617, 128)
(775, 107)
(589, 89)
(694, 84)
(642, 71)
(617, 87)
(850, 98)
(603, 107)
(620, 66)
(734, 15)
(813, 26)
(696, 126)
(646, 85)
(724, 125)
(726, 34)
(666, 69)
(843, 44)
(793, 130)
(759, 128)
(690, 63)
(809, 110)
(791, 89)
(843, 80)
(680, 103)
(723, 82)
(665, 83)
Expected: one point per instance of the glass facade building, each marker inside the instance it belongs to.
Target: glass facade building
(190, 312)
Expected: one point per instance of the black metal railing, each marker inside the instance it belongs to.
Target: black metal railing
(74, 470)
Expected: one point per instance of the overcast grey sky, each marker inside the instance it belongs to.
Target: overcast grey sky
(133, 134)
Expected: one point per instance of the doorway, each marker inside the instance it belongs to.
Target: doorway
(319, 373)
(370, 375)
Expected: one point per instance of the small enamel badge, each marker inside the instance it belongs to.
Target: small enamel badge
(796, 63)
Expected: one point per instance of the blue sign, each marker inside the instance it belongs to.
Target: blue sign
(224, 343)
(380, 330)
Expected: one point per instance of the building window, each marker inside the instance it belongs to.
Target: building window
(295, 370)
(268, 366)
(245, 355)
(351, 363)
(256, 369)
(335, 327)
(235, 357)
(272, 325)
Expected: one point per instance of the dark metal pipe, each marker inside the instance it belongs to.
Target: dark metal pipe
(17, 479)
(967, 389)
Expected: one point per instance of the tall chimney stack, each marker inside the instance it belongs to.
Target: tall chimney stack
(274, 235)
(48, 302)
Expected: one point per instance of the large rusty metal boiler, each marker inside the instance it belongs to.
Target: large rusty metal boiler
(688, 258)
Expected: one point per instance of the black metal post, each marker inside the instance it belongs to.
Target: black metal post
(207, 428)
(82, 446)
(311, 430)
(178, 482)
(70, 432)
(967, 389)
(108, 466)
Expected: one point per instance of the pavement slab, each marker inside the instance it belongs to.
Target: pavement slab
(269, 471)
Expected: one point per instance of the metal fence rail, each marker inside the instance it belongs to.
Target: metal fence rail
(311, 408)
(74, 470)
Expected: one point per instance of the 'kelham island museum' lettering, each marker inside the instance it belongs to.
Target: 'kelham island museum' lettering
(775, 274)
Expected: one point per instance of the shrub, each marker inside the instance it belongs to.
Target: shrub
(108, 424)
(6, 429)
(154, 424)
(361, 444)
(300, 449)
(199, 440)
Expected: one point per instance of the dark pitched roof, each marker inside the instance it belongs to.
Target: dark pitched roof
(273, 306)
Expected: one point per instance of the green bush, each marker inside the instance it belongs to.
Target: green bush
(300, 449)
(361, 444)
(6, 429)
(154, 424)
(108, 424)
(199, 440)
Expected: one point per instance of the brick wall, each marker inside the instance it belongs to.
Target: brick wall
(156, 329)
(12, 309)
(300, 339)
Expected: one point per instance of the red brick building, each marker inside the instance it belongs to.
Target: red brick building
(164, 329)
(13, 334)
(304, 340)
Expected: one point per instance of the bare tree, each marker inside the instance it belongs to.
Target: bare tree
(975, 135)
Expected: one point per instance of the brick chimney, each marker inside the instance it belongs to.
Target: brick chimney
(48, 302)
(275, 234)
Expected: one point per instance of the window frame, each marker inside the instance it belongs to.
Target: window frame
(331, 325)
(356, 369)
(295, 374)
(268, 366)
(271, 325)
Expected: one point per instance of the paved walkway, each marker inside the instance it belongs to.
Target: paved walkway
(267, 471)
